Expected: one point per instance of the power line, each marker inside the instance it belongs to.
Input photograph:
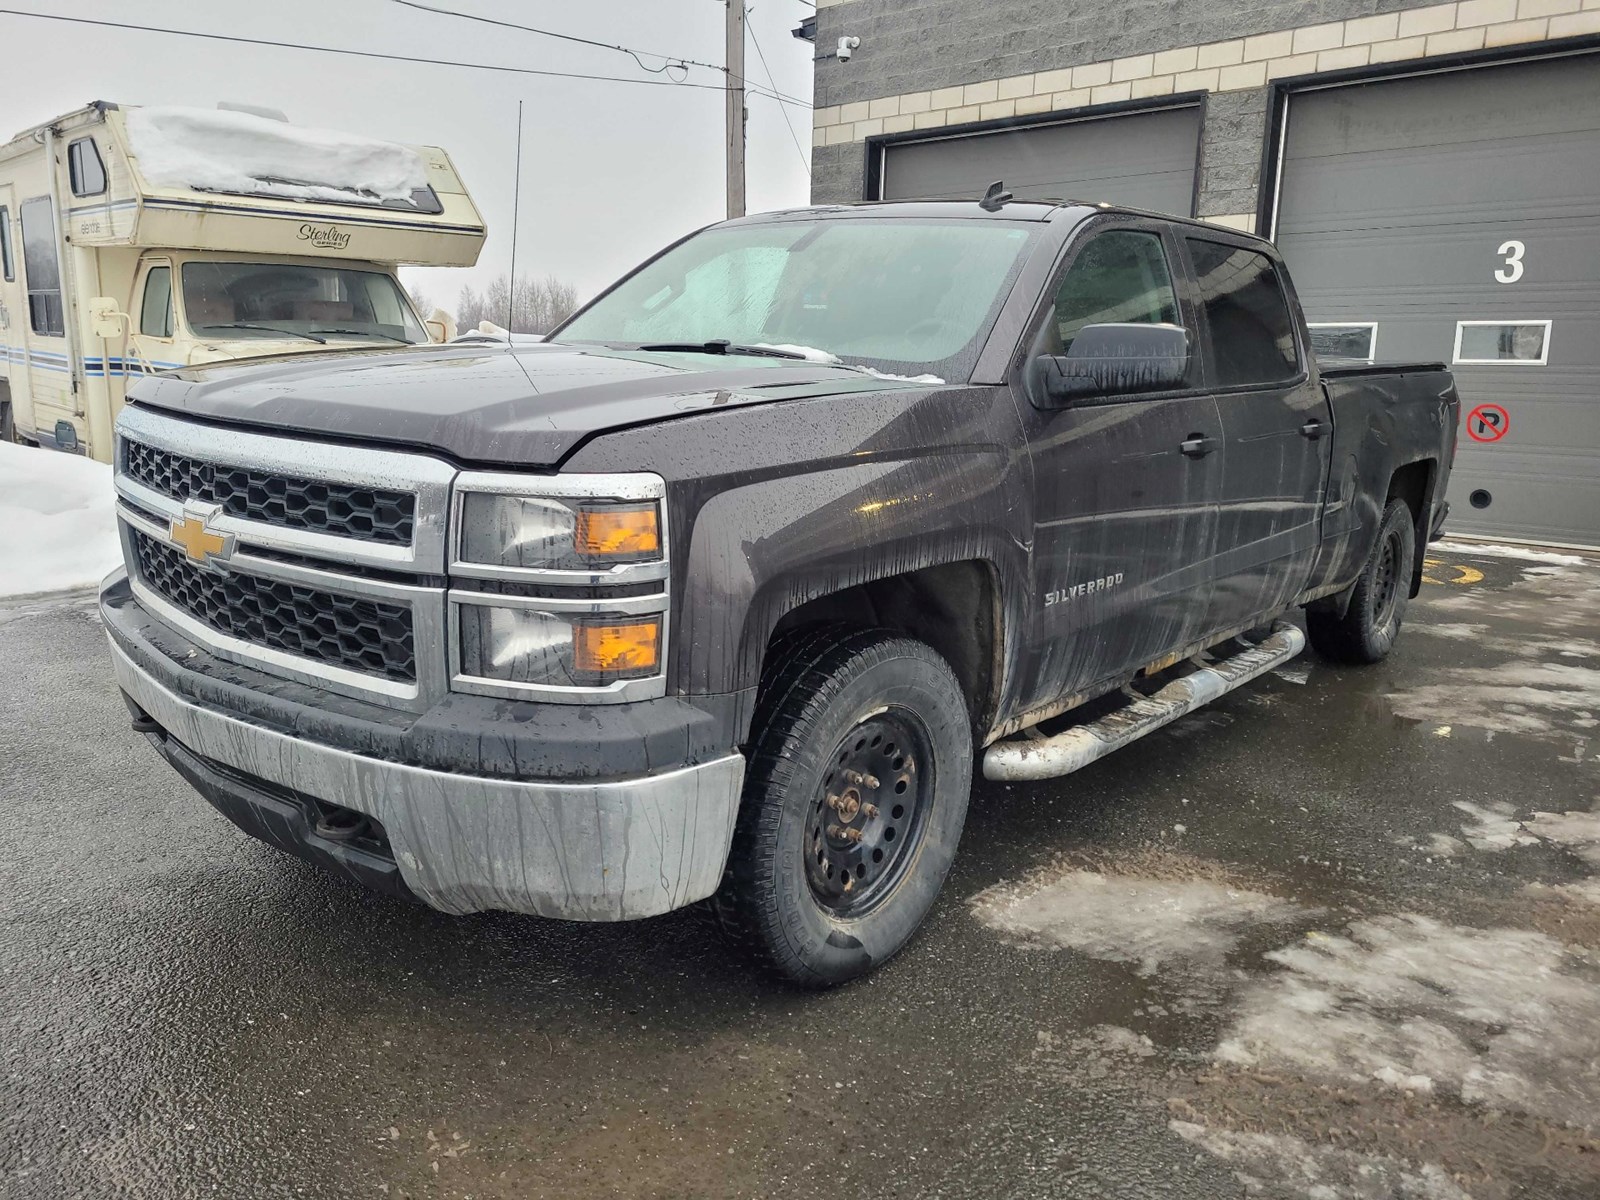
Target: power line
(407, 58)
(784, 112)
(671, 59)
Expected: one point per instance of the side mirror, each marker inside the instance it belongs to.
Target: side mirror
(1113, 360)
(441, 326)
(106, 319)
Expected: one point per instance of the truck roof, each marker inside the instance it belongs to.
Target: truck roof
(1041, 209)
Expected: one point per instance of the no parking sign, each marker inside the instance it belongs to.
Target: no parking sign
(1488, 423)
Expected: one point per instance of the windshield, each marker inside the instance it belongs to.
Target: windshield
(274, 299)
(902, 296)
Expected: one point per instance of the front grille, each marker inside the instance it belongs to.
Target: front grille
(365, 513)
(368, 636)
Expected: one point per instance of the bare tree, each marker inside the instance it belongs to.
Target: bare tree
(420, 300)
(538, 306)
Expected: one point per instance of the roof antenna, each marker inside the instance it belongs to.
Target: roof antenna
(995, 198)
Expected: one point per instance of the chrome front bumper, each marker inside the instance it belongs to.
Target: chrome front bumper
(604, 851)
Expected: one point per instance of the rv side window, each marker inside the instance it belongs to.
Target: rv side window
(6, 268)
(87, 172)
(155, 311)
(42, 268)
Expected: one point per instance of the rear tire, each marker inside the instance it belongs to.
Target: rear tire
(1368, 629)
(860, 765)
(8, 423)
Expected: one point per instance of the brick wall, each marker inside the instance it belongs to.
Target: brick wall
(927, 64)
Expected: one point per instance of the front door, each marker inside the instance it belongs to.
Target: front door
(153, 320)
(1125, 514)
(1276, 427)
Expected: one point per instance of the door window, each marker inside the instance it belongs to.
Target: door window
(1249, 332)
(155, 310)
(84, 168)
(42, 267)
(1120, 277)
(5, 245)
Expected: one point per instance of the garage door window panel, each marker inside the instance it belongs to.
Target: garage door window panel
(1502, 343)
(1352, 341)
(1249, 331)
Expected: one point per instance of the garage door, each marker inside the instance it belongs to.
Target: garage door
(1145, 160)
(1456, 216)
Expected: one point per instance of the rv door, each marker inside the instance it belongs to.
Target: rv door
(42, 328)
(14, 389)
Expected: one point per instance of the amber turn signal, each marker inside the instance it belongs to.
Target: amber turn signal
(618, 531)
(634, 648)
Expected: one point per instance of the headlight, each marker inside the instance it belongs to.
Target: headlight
(559, 586)
(524, 645)
(556, 533)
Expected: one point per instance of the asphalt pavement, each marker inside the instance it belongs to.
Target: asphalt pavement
(1337, 935)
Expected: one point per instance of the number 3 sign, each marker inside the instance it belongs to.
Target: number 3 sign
(1512, 252)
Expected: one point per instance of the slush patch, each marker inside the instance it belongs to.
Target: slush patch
(1152, 923)
(1277, 1165)
(1504, 1018)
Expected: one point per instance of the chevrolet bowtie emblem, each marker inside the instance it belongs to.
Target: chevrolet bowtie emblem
(192, 533)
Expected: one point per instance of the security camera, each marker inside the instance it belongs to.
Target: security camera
(847, 45)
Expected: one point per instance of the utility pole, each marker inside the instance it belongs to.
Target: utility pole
(735, 107)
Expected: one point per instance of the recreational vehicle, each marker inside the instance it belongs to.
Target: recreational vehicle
(135, 240)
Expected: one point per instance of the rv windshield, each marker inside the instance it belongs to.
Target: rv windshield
(244, 300)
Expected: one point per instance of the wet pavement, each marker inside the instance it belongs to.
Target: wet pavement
(1313, 941)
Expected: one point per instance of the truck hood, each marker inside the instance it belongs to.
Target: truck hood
(523, 405)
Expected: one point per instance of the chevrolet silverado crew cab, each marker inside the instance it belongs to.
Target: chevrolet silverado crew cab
(719, 593)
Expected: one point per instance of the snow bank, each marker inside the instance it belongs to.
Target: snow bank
(225, 151)
(1523, 553)
(56, 525)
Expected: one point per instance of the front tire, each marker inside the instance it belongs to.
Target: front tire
(854, 800)
(1368, 629)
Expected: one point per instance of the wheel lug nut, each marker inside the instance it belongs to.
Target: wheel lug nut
(833, 803)
(853, 835)
(860, 780)
(870, 809)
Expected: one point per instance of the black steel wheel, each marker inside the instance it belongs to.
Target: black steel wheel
(870, 812)
(860, 763)
(1366, 631)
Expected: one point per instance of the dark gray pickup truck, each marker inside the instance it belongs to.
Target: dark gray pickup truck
(717, 594)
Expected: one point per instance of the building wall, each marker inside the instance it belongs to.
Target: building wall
(932, 64)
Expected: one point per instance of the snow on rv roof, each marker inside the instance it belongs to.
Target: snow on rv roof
(225, 151)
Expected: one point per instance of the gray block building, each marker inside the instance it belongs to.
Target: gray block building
(1431, 173)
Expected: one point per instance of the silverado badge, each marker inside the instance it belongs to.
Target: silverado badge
(192, 533)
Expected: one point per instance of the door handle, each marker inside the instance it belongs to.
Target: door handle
(1197, 445)
(1312, 429)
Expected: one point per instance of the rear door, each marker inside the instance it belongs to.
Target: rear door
(1276, 424)
(1124, 517)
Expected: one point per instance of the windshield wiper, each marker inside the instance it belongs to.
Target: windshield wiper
(388, 337)
(721, 346)
(310, 337)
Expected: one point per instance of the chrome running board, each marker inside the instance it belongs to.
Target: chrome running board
(1038, 757)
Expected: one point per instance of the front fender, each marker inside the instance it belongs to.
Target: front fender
(762, 550)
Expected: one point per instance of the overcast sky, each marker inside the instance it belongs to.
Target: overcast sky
(610, 171)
